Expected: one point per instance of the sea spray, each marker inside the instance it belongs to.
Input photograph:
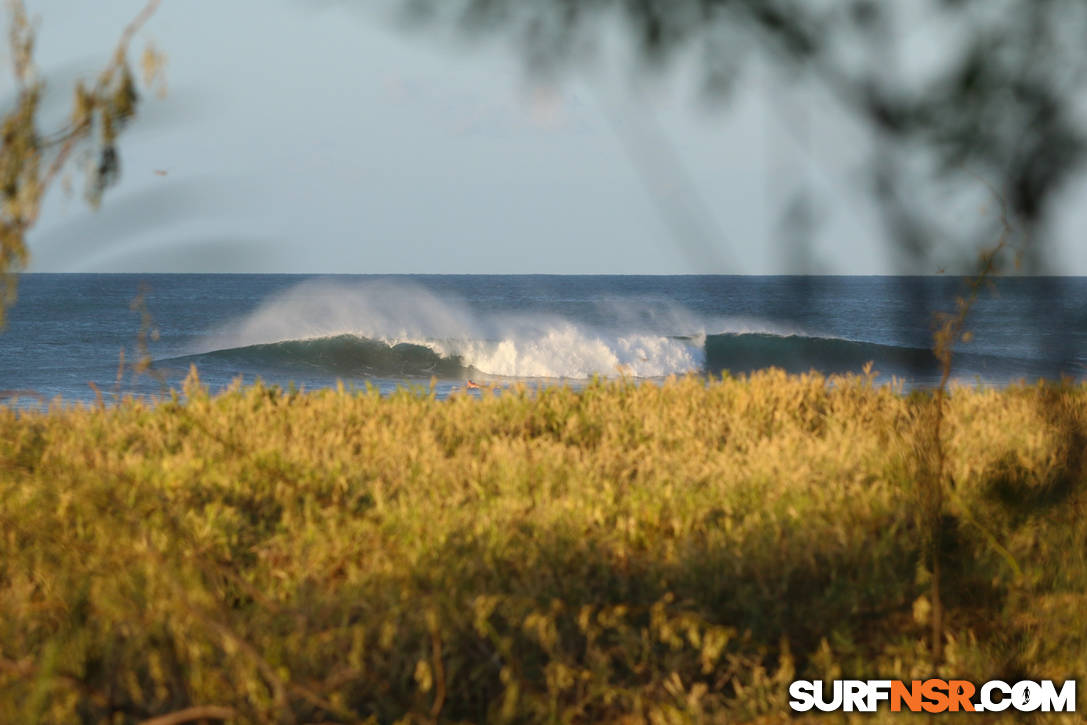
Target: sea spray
(384, 310)
(404, 316)
(399, 329)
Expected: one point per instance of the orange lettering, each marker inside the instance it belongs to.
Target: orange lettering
(960, 692)
(932, 690)
(911, 696)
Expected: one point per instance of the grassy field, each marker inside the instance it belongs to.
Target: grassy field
(664, 553)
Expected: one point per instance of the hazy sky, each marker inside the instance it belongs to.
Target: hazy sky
(298, 139)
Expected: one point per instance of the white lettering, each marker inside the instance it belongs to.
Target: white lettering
(803, 694)
(1027, 696)
(993, 696)
(835, 701)
(1064, 701)
(987, 702)
(854, 696)
(878, 690)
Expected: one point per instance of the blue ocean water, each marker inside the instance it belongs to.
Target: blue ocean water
(67, 331)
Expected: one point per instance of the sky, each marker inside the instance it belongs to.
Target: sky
(308, 138)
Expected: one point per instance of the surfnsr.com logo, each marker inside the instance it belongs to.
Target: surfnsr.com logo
(932, 696)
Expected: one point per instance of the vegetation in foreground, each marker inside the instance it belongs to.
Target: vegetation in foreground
(665, 553)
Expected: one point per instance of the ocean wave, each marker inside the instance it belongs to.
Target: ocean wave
(746, 352)
(569, 352)
(399, 329)
(559, 354)
(402, 331)
(342, 355)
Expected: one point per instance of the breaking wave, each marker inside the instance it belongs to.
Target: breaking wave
(393, 330)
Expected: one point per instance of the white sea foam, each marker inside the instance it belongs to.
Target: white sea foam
(568, 350)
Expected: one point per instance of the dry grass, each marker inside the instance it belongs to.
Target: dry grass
(670, 553)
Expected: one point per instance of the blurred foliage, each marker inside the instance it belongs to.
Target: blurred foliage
(30, 160)
(633, 553)
(947, 91)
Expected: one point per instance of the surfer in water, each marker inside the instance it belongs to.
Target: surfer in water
(472, 385)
